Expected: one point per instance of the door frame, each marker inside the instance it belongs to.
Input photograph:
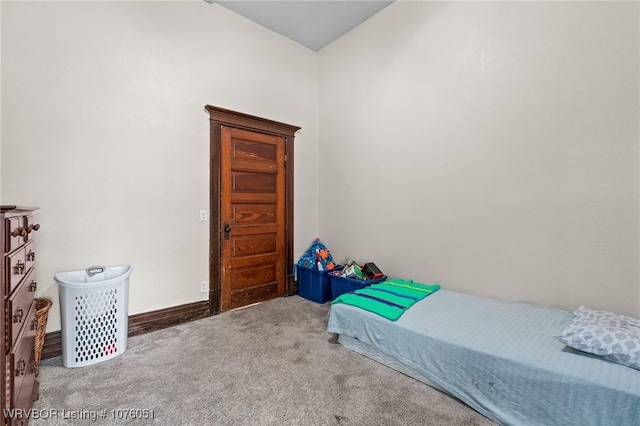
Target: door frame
(219, 117)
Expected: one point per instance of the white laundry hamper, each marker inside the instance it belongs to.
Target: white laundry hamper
(94, 306)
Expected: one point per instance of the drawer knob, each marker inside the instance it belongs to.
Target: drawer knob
(21, 368)
(33, 227)
(22, 232)
(19, 268)
(33, 286)
(17, 316)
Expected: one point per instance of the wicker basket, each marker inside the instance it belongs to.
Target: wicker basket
(42, 313)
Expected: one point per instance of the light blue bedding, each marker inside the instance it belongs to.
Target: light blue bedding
(500, 358)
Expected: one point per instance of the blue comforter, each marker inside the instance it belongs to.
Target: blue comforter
(500, 358)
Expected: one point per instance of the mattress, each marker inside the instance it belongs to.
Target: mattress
(498, 357)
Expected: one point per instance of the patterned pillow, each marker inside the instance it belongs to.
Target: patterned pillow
(614, 337)
(605, 317)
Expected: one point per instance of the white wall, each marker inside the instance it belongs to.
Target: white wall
(490, 147)
(105, 130)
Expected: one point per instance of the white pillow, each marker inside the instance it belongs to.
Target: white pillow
(613, 336)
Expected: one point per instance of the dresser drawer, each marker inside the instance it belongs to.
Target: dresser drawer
(23, 401)
(15, 233)
(16, 269)
(29, 255)
(22, 359)
(18, 305)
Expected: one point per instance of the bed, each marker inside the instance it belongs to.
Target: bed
(498, 357)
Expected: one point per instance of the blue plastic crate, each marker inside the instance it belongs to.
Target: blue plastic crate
(341, 285)
(313, 284)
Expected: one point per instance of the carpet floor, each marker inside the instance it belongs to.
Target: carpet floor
(268, 364)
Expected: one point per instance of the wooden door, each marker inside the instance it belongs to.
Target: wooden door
(252, 216)
(252, 199)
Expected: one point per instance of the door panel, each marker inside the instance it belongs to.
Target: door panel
(247, 297)
(246, 148)
(240, 198)
(251, 246)
(254, 213)
(252, 205)
(255, 182)
(252, 276)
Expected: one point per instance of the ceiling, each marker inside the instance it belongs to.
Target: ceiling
(313, 24)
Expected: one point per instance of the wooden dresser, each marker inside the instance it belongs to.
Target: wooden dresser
(17, 271)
